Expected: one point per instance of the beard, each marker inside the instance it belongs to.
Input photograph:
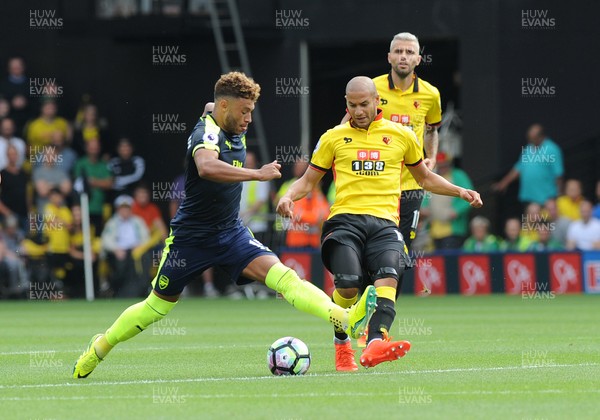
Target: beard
(403, 74)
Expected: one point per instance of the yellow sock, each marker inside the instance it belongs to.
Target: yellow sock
(102, 347)
(136, 319)
(387, 292)
(342, 301)
(304, 295)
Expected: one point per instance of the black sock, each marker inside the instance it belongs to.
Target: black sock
(382, 319)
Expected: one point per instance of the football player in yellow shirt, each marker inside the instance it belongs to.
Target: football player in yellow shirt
(361, 242)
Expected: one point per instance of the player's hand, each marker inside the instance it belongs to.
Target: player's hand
(269, 171)
(471, 197)
(285, 207)
(430, 163)
(499, 187)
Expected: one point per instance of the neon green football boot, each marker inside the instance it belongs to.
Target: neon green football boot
(88, 360)
(360, 313)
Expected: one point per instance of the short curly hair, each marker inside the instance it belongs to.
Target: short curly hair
(237, 85)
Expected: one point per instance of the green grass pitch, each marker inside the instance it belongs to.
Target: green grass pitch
(472, 357)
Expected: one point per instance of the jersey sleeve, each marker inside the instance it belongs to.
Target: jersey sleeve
(414, 152)
(322, 157)
(434, 114)
(206, 137)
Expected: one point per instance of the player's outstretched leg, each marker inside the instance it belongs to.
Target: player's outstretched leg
(380, 348)
(131, 322)
(308, 298)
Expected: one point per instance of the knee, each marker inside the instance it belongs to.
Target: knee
(348, 293)
(347, 281)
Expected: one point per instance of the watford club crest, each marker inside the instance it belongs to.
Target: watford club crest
(386, 139)
(417, 104)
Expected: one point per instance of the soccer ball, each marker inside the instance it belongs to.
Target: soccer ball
(288, 356)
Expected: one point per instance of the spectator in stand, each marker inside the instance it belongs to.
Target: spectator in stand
(16, 90)
(74, 282)
(88, 126)
(584, 234)
(568, 204)
(7, 137)
(514, 241)
(596, 211)
(66, 157)
(123, 234)
(13, 276)
(126, 168)
(13, 235)
(49, 176)
(304, 230)
(309, 213)
(99, 180)
(39, 131)
(539, 169)
(150, 213)
(14, 199)
(448, 216)
(4, 108)
(559, 225)
(480, 240)
(254, 205)
(545, 242)
(57, 220)
(530, 222)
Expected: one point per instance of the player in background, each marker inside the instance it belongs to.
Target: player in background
(411, 101)
(207, 231)
(361, 243)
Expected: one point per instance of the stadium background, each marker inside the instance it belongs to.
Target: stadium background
(479, 52)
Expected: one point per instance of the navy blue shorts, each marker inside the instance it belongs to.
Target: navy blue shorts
(232, 250)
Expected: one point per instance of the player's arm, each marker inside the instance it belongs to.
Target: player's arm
(439, 185)
(299, 189)
(511, 176)
(210, 167)
(345, 119)
(431, 142)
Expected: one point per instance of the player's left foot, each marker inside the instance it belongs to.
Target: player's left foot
(344, 357)
(360, 313)
(88, 360)
(379, 351)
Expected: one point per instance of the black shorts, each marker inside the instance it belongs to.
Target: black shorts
(410, 206)
(377, 243)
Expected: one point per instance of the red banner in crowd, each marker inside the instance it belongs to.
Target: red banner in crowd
(299, 262)
(519, 273)
(430, 276)
(474, 274)
(565, 272)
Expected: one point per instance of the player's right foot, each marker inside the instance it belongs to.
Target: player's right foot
(379, 351)
(88, 360)
(360, 313)
(344, 357)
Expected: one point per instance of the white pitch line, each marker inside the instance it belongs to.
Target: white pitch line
(259, 378)
(205, 396)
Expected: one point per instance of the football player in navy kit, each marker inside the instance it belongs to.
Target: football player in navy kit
(207, 231)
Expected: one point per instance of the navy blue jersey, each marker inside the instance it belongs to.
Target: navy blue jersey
(209, 207)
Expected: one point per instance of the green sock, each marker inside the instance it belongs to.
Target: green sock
(305, 296)
(137, 318)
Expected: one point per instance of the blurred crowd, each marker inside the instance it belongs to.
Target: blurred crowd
(47, 159)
